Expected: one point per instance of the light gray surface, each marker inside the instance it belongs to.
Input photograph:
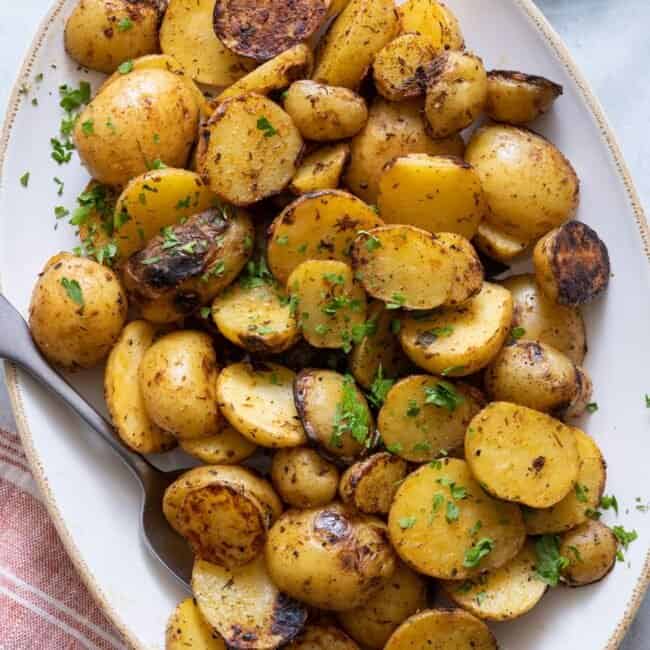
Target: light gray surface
(609, 40)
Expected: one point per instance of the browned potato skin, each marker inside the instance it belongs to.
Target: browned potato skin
(303, 478)
(518, 98)
(572, 264)
(582, 397)
(321, 637)
(596, 546)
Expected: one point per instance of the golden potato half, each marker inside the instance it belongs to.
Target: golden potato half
(226, 447)
(322, 637)
(434, 20)
(187, 628)
(321, 169)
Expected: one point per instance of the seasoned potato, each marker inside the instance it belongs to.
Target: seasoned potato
(178, 375)
(303, 478)
(498, 245)
(348, 49)
(342, 560)
(188, 629)
(77, 311)
(125, 118)
(588, 490)
(582, 398)
(331, 304)
(435, 193)
(522, 455)
(101, 34)
(505, 593)
(572, 264)
(399, 596)
(317, 226)
(123, 395)
(335, 414)
(321, 169)
(536, 318)
(322, 637)
(404, 266)
(529, 185)
(186, 34)
(469, 269)
(239, 126)
(244, 605)
(392, 130)
(258, 402)
(434, 21)
(517, 98)
(591, 550)
(370, 484)
(424, 417)
(472, 334)
(433, 523)
(226, 447)
(399, 69)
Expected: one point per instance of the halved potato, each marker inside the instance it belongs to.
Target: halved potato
(522, 455)
(469, 269)
(317, 226)
(501, 594)
(322, 637)
(433, 523)
(404, 266)
(588, 490)
(434, 21)
(258, 402)
(245, 606)
(226, 447)
(497, 244)
(473, 334)
(187, 628)
(424, 417)
(321, 169)
(330, 303)
(435, 193)
(123, 395)
(252, 149)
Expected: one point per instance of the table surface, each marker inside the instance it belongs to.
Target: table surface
(608, 39)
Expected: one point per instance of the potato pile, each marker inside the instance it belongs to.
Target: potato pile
(282, 194)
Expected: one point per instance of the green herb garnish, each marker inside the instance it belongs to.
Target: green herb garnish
(550, 563)
(73, 290)
(264, 125)
(476, 553)
(443, 395)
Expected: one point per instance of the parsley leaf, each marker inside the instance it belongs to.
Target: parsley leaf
(359, 332)
(607, 502)
(452, 512)
(264, 125)
(351, 415)
(372, 243)
(125, 25)
(396, 301)
(550, 563)
(88, 127)
(413, 409)
(379, 388)
(24, 179)
(407, 522)
(624, 537)
(517, 332)
(647, 401)
(443, 395)
(476, 553)
(581, 492)
(73, 290)
(592, 407)
(125, 67)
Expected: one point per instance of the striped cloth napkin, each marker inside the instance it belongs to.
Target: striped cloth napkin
(43, 604)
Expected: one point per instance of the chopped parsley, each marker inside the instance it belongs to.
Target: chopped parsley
(517, 332)
(257, 274)
(475, 528)
(625, 538)
(379, 388)
(550, 563)
(440, 332)
(61, 151)
(452, 370)
(607, 502)
(592, 407)
(372, 243)
(359, 332)
(125, 25)
(73, 290)
(60, 212)
(581, 492)
(156, 164)
(413, 409)
(407, 522)
(351, 415)
(183, 203)
(205, 312)
(264, 125)
(283, 240)
(88, 127)
(74, 98)
(452, 512)
(321, 329)
(332, 278)
(125, 67)
(396, 301)
(477, 552)
(24, 179)
(422, 447)
(593, 514)
(395, 448)
(337, 303)
(60, 184)
(647, 401)
(443, 395)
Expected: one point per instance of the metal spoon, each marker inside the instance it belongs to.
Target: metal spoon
(17, 346)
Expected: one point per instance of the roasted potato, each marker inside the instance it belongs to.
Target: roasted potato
(517, 98)
(582, 398)
(349, 47)
(258, 402)
(303, 478)
(77, 311)
(572, 264)
(456, 93)
(124, 397)
(498, 245)
(435, 193)
(459, 341)
(434, 21)
(187, 628)
(101, 34)
(424, 417)
(469, 269)
(321, 169)
(245, 606)
(536, 318)
(522, 455)
(317, 226)
(115, 134)
(321, 574)
(392, 130)
(399, 596)
(226, 447)
(322, 637)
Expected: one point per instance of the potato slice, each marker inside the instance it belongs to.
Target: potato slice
(321, 169)
(123, 395)
(335, 414)
(404, 266)
(424, 417)
(349, 47)
(498, 245)
(435, 193)
(256, 318)
(434, 21)
(330, 303)
(502, 594)
(403, 594)
(370, 484)
(588, 490)
(322, 637)
(317, 226)
(252, 150)
(258, 402)
(469, 270)
(188, 629)
(442, 629)
(433, 523)
(226, 447)
(186, 34)
(522, 455)
(244, 605)
(473, 334)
